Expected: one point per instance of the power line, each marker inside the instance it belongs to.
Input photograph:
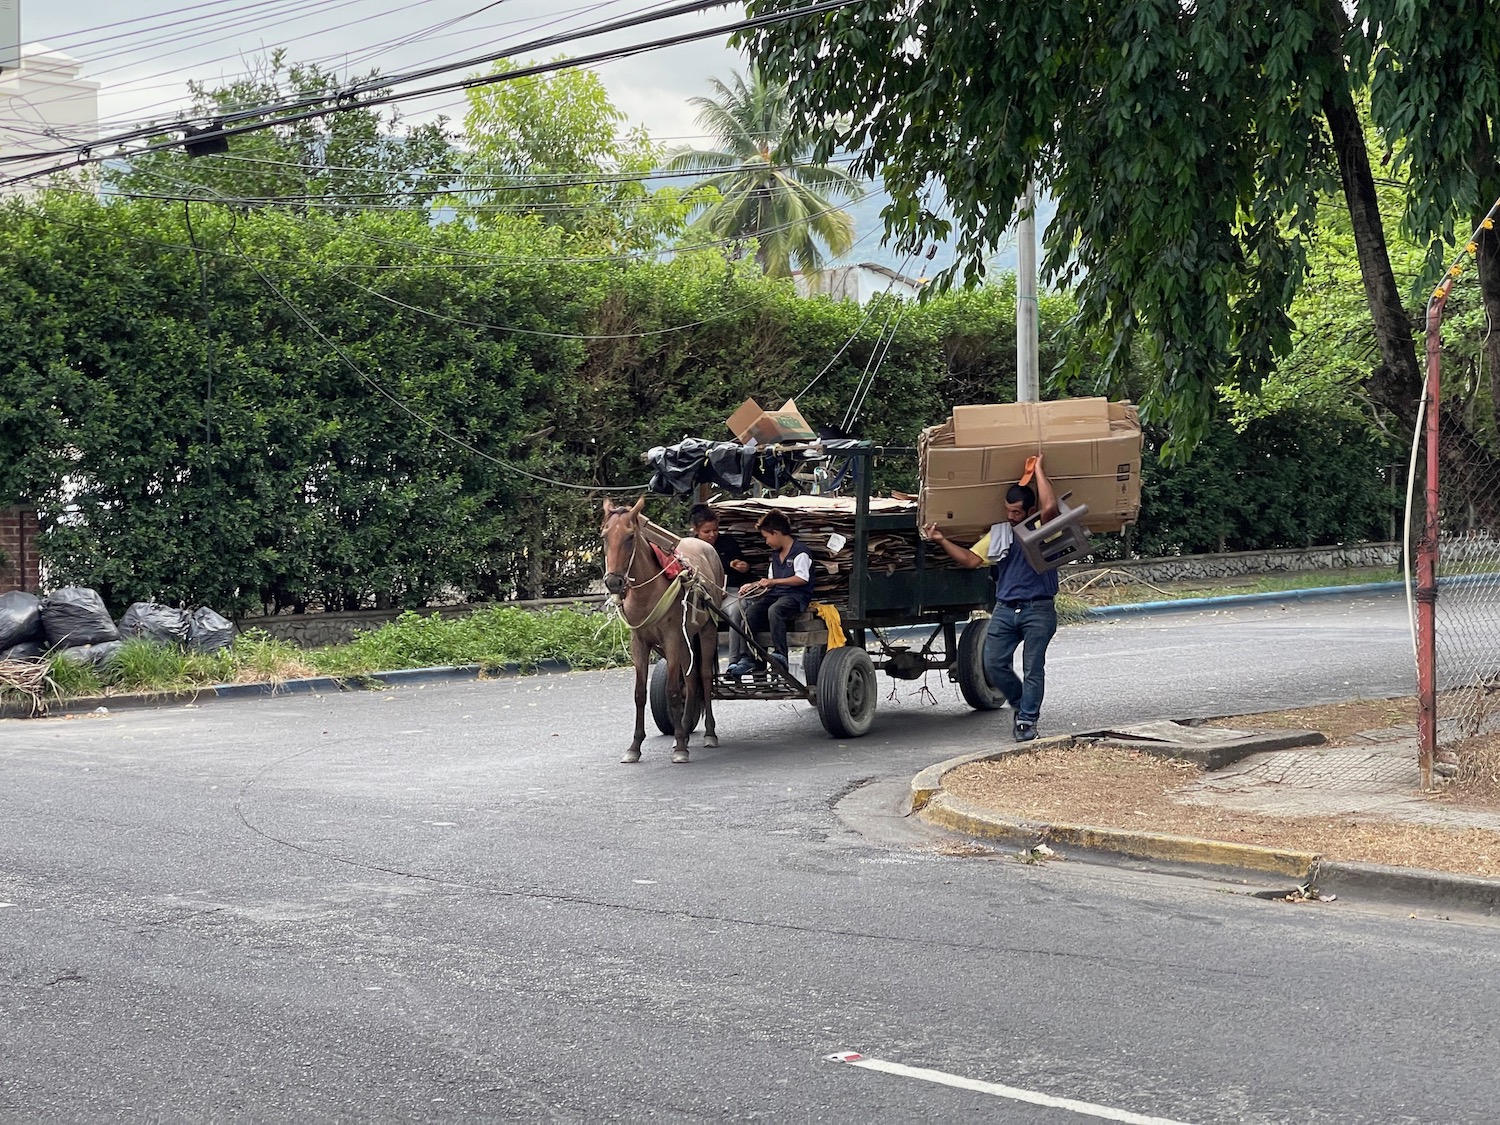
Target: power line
(301, 110)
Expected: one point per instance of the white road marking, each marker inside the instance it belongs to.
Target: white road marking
(942, 1078)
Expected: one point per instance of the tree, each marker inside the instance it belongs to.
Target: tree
(1435, 93)
(766, 187)
(1188, 146)
(351, 159)
(550, 146)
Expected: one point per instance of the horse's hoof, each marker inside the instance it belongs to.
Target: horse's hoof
(710, 740)
(679, 757)
(631, 758)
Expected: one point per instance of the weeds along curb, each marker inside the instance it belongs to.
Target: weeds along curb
(312, 685)
(1406, 885)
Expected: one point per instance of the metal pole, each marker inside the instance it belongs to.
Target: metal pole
(1028, 385)
(1427, 554)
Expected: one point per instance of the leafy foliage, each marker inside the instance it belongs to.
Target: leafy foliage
(762, 184)
(352, 158)
(550, 146)
(1182, 144)
(229, 454)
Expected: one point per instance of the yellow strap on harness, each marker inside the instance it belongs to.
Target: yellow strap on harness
(835, 624)
(661, 607)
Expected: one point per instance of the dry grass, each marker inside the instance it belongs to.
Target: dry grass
(1478, 780)
(26, 680)
(1115, 788)
(1336, 721)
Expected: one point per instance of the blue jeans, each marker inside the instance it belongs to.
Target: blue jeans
(1031, 624)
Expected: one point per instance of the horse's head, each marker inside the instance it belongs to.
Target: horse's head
(619, 532)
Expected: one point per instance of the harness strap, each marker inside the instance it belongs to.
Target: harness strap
(662, 606)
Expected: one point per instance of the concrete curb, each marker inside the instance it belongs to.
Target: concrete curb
(1406, 885)
(1409, 885)
(311, 685)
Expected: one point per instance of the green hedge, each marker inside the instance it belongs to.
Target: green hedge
(189, 438)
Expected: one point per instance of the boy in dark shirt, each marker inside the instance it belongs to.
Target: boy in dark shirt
(782, 596)
(705, 523)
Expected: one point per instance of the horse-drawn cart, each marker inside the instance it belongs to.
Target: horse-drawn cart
(925, 599)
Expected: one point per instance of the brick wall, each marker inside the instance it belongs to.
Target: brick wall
(18, 546)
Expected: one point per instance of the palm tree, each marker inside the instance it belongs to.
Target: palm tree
(767, 189)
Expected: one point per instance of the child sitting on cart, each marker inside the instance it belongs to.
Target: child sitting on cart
(705, 523)
(778, 599)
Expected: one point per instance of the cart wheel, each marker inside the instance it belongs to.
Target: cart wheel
(846, 692)
(812, 659)
(661, 706)
(972, 681)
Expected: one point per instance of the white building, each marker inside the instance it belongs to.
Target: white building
(858, 282)
(44, 104)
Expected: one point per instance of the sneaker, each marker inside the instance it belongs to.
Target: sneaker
(741, 667)
(1025, 732)
(781, 662)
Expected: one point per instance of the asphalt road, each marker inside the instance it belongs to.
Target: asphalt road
(451, 903)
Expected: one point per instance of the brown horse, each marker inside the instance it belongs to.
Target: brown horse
(674, 625)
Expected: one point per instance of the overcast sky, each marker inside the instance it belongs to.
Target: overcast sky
(144, 52)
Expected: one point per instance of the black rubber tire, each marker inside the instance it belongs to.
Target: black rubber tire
(812, 659)
(661, 707)
(972, 682)
(846, 692)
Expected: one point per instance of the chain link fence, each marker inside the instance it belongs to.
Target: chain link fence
(1467, 624)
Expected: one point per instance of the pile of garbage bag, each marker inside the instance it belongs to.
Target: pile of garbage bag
(74, 623)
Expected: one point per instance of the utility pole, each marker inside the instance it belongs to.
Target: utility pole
(1028, 385)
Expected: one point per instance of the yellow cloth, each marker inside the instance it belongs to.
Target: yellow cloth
(835, 624)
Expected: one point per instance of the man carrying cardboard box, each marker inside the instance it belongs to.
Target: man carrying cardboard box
(1025, 612)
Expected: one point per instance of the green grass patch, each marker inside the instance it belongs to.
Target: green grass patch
(492, 638)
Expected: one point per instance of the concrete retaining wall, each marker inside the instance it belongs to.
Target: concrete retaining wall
(1236, 564)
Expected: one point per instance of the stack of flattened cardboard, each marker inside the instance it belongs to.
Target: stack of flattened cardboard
(826, 525)
(1092, 447)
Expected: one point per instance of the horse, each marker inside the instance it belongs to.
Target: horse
(663, 620)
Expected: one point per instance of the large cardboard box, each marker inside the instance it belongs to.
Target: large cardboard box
(1031, 423)
(766, 426)
(963, 485)
(966, 512)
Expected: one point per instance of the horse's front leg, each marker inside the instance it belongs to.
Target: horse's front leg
(708, 643)
(640, 656)
(680, 690)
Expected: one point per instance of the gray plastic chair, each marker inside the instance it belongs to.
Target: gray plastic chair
(1060, 540)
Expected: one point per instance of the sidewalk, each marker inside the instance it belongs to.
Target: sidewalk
(1375, 773)
(1347, 818)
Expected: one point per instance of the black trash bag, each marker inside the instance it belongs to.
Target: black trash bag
(95, 656)
(26, 650)
(159, 623)
(208, 632)
(76, 616)
(20, 618)
(101, 654)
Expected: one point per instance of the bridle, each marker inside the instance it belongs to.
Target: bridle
(632, 583)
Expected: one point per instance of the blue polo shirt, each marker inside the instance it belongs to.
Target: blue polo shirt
(1017, 581)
